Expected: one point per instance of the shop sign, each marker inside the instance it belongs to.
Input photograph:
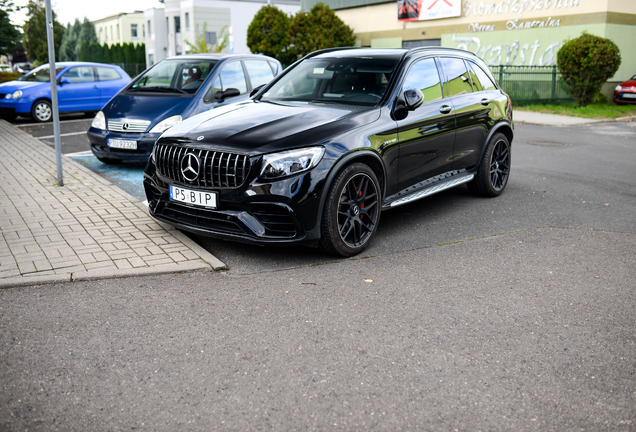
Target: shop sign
(515, 24)
(422, 10)
(511, 54)
(518, 7)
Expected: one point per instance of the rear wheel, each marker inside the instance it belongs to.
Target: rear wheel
(352, 211)
(494, 168)
(41, 111)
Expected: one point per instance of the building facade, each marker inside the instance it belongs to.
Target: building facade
(502, 32)
(121, 28)
(168, 30)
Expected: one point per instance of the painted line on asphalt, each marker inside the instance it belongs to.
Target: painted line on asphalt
(80, 154)
(62, 135)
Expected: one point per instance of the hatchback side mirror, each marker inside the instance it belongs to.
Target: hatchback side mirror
(64, 81)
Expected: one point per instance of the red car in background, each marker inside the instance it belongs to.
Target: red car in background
(626, 92)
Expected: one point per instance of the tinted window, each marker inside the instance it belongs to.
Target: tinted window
(80, 74)
(107, 74)
(232, 76)
(259, 72)
(458, 78)
(423, 75)
(484, 81)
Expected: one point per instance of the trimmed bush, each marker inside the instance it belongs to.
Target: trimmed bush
(586, 63)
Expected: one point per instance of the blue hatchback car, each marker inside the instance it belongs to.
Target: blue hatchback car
(170, 91)
(81, 86)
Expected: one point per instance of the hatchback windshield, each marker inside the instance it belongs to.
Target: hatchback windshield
(175, 76)
(341, 80)
(40, 74)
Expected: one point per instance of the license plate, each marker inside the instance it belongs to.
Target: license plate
(629, 95)
(123, 144)
(193, 197)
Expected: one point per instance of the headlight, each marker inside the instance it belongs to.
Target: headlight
(618, 88)
(8, 96)
(16, 94)
(99, 122)
(290, 162)
(165, 124)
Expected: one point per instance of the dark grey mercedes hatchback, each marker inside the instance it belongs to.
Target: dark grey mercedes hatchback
(318, 153)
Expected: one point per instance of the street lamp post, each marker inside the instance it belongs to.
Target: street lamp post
(54, 107)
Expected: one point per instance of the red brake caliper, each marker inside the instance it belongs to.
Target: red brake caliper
(361, 205)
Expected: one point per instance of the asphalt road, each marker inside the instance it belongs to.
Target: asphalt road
(467, 315)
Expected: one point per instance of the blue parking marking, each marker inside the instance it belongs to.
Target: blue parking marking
(126, 176)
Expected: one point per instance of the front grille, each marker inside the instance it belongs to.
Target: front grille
(277, 220)
(128, 125)
(217, 169)
(2, 95)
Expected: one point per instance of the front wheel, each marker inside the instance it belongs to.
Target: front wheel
(41, 111)
(494, 168)
(352, 211)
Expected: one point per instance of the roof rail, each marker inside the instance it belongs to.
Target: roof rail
(326, 50)
(426, 48)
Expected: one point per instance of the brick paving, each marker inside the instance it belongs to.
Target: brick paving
(87, 229)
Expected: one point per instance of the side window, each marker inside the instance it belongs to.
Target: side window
(232, 76)
(458, 78)
(107, 74)
(423, 75)
(483, 78)
(259, 72)
(80, 74)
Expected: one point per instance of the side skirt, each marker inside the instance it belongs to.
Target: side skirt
(428, 187)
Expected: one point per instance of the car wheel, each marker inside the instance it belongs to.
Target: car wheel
(352, 211)
(108, 161)
(41, 111)
(494, 169)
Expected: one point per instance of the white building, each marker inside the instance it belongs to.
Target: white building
(121, 28)
(168, 28)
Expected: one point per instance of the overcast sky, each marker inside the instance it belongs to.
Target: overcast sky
(67, 10)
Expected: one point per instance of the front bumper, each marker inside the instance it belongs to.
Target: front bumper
(20, 106)
(619, 97)
(99, 145)
(280, 212)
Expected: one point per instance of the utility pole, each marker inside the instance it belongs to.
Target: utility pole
(54, 107)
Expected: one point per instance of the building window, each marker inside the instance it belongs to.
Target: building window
(151, 59)
(177, 24)
(167, 25)
(111, 32)
(133, 30)
(187, 21)
(117, 31)
(149, 28)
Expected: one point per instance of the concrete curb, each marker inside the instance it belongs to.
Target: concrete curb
(626, 119)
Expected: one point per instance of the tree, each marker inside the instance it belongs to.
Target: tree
(35, 32)
(320, 28)
(10, 35)
(586, 63)
(74, 36)
(200, 46)
(268, 34)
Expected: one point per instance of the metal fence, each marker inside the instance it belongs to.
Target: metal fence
(532, 84)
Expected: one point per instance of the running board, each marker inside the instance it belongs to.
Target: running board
(431, 190)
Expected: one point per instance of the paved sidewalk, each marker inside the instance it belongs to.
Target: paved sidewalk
(88, 229)
(530, 117)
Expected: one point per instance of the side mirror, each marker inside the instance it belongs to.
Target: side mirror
(413, 99)
(228, 93)
(63, 81)
(256, 90)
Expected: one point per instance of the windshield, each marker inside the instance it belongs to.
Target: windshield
(176, 76)
(358, 81)
(40, 74)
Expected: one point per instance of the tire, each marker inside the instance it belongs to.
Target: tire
(41, 111)
(108, 161)
(494, 168)
(352, 211)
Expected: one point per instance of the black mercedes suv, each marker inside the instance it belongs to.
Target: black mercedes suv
(317, 154)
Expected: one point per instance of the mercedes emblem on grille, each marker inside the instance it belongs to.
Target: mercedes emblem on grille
(125, 126)
(190, 167)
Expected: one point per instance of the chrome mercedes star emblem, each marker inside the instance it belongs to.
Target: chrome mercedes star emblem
(125, 126)
(190, 167)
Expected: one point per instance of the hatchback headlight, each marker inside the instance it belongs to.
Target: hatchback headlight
(99, 122)
(165, 124)
(618, 88)
(290, 162)
(16, 94)
(8, 96)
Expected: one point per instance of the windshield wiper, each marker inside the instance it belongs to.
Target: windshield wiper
(160, 89)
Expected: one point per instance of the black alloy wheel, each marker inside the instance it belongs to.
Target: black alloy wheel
(352, 211)
(494, 168)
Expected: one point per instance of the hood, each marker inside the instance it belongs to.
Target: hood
(629, 83)
(145, 107)
(249, 125)
(11, 86)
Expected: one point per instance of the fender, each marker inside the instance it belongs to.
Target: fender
(495, 129)
(335, 169)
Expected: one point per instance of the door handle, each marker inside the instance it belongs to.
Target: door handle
(445, 109)
(485, 102)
